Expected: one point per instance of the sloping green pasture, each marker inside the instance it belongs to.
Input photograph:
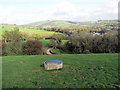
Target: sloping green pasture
(28, 32)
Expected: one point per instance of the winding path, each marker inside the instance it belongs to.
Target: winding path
(48, 51)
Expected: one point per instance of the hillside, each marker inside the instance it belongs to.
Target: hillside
(66, 23)
(55, 23)
(27, 30)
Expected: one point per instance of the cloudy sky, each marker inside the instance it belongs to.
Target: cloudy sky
(27, 11)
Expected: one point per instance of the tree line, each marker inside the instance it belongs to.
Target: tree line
(81, 40)
(84, 42)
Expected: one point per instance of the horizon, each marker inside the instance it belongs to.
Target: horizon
(25, 12)
(58, 20)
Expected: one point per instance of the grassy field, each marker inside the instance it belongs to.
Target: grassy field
(45, 43)
(41, 33)
(56, 51)
(80, 71)
(29, 32)
(35, 33)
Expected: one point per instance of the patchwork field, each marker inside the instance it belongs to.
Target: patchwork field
(80, 71)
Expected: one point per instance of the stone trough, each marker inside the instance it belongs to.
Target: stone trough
(53, 64)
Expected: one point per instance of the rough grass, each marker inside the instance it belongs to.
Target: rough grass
(80, 71)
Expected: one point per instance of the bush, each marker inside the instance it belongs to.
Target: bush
(2, 49)
(32, 47)
(12, 48)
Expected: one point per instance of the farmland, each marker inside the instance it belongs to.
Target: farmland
(27, 31)
(90, 61)
(80, 71)
(76, 40)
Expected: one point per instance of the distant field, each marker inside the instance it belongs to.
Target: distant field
(29, 32)
(80, 71)
(41, 33)
(6, 27)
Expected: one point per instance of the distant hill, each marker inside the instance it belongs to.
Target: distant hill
(66, 23)
(55, 23)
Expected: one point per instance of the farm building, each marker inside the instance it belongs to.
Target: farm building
(53, 64)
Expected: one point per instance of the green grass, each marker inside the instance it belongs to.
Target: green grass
(41, 33)
(45, 43)
(56, 51)
(80, 71)
(6, 27)
(30, 32)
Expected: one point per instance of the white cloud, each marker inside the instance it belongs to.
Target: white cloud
(64, 10)
(107, 11)
(64, 7)
(6, 11)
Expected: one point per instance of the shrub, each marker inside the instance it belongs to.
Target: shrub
(2, 49)
(12, 48)
(32, 47)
